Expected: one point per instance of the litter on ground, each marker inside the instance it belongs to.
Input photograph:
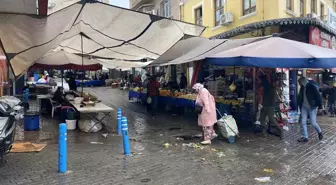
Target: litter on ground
(263, 179)
(268, 170)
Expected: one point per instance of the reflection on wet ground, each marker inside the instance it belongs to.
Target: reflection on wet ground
(164, 151)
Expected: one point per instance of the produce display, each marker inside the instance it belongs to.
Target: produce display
(189, 96)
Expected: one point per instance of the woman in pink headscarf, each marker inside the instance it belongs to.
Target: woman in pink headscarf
(207, 118)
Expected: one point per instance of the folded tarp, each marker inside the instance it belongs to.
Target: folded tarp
(96, 29)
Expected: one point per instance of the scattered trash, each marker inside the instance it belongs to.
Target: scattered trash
(220, 154)
(285, 127)
(179, 138)
(248, 140)
(161, 134)
(96, 143)
(214, 150)
(105, 135)
(193, 145)
(203, 159)
(166, 145)
(263, 179)
(268, 170)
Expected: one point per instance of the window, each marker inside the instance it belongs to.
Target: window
(165, 9)
(322, 11)
(302, 8)
(249, 6)
(289, 4)
(313, 6)
(199, 16)
(219, 10)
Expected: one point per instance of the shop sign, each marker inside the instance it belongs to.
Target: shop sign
(331, 18)
(320, 38)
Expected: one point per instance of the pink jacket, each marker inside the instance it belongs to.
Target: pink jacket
(208, 117)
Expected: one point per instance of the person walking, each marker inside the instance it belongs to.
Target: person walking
(332, 99)
(153, 93)
(309, 100)
(268, 107)
(207, 118)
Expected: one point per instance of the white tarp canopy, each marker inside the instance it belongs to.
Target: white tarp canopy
(118, 64)
(19, 6)
(64, 60)
(99, 29)
(197, 48)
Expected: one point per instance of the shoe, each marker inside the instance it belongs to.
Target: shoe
(320, 136)
(303, 140)
(208, 142)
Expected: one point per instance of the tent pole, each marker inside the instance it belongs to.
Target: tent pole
(62, 73)
(82, 63)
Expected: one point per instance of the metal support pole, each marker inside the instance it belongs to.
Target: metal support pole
(254, 109)
(62, 148)
(127, 150)
(119, 115)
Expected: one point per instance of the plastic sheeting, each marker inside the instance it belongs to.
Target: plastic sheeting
(276, 52)
(196, 48)
(105, 31)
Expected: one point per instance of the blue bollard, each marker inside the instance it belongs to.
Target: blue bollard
(119, 115)
(127, 150)
(62, 148)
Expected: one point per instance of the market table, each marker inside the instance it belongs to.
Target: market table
(91, 110)
(42, 97)
(181, 102)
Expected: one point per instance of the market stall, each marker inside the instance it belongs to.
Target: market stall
(273, 57)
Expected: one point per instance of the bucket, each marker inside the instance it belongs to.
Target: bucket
(31, 122)
(71, 124)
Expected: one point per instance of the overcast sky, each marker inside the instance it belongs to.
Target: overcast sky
(121, 3)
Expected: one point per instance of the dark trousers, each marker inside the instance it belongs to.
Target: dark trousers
(268, 111)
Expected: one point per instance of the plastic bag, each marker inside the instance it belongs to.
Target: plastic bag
(89, 126)
(232, 87)
(227, 126)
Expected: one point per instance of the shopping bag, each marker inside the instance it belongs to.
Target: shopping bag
(227, 126)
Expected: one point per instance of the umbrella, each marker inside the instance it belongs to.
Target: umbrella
(276, 52)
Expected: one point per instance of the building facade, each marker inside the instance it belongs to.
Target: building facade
(165, 8)
(222, 16)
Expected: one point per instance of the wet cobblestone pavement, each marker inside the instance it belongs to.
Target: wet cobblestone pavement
(222, 163)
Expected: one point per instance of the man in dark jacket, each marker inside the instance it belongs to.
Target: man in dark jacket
(309, 100)
(183, 81)
(268, 109)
